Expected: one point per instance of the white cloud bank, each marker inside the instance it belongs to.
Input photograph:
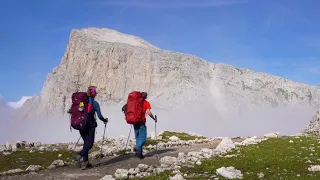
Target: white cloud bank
(202, 119)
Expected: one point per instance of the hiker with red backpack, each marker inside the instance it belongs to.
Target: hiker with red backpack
(135, 110)
(83, 111)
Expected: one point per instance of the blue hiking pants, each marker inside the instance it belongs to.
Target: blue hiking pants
(140, 131)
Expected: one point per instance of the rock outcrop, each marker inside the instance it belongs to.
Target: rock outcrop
(118, 63)
(313, 127)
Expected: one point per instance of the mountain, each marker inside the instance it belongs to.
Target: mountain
(118, 63)
(19, 103)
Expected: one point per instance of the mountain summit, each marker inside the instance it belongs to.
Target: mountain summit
(110, 35)
(18, 104)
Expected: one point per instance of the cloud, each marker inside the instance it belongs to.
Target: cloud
(315, 70)
(281, 14)
(5, 110)
(311, 41)
(173, 4)
(287, 11)
(212, 117)
(310, 66)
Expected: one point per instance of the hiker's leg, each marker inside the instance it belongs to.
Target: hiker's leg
(143, 132)
(141, 139)
(136, 133)
(89, 144)
(80, 154)
(83, 136)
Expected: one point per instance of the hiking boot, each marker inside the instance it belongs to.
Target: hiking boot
(135, 151)
(78, 161)
(140, 156)
(86, 165)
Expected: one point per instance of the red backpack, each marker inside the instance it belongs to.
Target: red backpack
(134, 108)
(80, 116)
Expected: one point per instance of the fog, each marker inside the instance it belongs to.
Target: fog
(202, 118)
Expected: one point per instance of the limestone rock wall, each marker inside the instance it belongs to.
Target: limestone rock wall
(119, 63)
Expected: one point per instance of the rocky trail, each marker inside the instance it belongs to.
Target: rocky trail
(109, 165)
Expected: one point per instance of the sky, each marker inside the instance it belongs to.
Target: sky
(279, 37)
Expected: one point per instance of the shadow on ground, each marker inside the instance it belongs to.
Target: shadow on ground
(125, 157)
(153, 153)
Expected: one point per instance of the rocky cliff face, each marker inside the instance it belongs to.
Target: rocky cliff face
(118, 63)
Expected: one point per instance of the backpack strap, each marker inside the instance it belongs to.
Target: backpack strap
(142, 113)
(90, 105)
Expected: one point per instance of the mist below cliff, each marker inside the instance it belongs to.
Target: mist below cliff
(202, 118)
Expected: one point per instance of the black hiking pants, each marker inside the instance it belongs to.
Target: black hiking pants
(88, 139)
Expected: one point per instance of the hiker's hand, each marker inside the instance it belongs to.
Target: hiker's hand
(105, 120)
(155, 118)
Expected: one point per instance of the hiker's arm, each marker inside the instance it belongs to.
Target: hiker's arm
(150, 114)
(96, 107)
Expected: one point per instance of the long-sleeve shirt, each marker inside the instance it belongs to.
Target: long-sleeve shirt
(96, 108)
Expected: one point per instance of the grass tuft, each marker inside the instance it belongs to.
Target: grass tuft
(183, 136)
(22, 159)
(154, 142)
(276, 158)
(161, 176)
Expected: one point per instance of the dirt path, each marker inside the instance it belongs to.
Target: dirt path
(109, 165)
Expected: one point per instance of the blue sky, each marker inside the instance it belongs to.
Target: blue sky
(280, 37)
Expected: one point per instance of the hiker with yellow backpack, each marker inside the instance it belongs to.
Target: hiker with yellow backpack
(82, 112)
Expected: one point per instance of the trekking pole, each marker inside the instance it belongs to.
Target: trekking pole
(104, 132)
(74, 148)
(155, 129)
(76, 144)
(128, 138)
